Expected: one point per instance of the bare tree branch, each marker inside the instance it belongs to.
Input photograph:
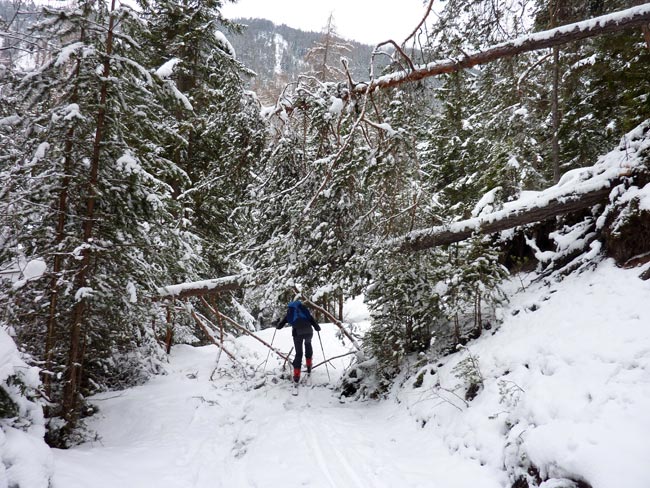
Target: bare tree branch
(424, 19)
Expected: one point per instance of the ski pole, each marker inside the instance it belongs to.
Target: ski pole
(324, 358)
(268, 353)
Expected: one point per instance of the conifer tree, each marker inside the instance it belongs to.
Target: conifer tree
(324, 57)
(602, 83)
(89, 197)
(221, 131)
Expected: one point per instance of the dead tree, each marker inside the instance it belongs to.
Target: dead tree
(496, 222)
(636, 17)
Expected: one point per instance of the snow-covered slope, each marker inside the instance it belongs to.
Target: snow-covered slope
(566, 396)
(566, 385)
(25, 459)
(183, 430)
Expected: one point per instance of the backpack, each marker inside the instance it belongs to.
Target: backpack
(297, 313)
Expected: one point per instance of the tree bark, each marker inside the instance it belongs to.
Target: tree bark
(57, 266)
(555, 108)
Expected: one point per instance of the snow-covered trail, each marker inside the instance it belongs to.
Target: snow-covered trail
(566, 389)
(183, 430)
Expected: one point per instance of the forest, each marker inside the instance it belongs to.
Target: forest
(149, 198)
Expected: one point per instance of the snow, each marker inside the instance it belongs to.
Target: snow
(40, 152)
(641, 194)
(128, 164)
(281, 45)
(167, 69)
(336, 106)
(11, 120)
(25, 459)
(228, 49)
(513, 163)
(181, 430)
(387, 128)
(132, 291)
(83, 292)
(176, 290)
(67, 52)
(567, 380)
(566, 386)
(33, 270)
(180, 96)
(486, 203)
(72, 111)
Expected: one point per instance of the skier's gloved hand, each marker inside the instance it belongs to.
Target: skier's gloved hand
(317, 327)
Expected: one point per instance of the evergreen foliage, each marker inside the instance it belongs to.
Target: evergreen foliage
(219, 130)
(133, 157)
(103, 152)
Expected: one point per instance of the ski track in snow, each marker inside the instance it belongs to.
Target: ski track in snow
(182, 430)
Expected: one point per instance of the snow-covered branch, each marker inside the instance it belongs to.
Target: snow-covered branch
(598, 26)
(577, 189)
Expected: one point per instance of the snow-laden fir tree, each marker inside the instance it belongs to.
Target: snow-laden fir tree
(603, 83)
(88, 194)
(221, 136)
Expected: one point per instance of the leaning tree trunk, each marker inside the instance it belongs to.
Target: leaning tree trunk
(61, 210)
(75, 357)
(598, 26)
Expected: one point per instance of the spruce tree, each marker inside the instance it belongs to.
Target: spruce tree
(89, 194)
(220, 128)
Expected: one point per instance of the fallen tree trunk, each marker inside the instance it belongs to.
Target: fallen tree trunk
(497, 222)
(202, 288)
(635, 17)
(578, 189)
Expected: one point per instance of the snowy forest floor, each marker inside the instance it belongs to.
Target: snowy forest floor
(566, 387)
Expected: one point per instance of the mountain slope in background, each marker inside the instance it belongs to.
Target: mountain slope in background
(277, 54)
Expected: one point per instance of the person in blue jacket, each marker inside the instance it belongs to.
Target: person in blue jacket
(301, 322)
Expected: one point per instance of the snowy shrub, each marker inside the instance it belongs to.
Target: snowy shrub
(25, 459)
(468, 370)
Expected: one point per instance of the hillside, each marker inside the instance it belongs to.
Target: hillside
(565, 391)
(277, 53)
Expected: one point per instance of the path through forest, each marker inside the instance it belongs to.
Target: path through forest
(183, 430)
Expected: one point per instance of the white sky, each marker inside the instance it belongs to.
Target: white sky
(368, 21)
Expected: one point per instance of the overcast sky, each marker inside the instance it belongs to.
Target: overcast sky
(368, 21)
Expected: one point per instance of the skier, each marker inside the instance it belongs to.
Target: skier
(301, 322)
